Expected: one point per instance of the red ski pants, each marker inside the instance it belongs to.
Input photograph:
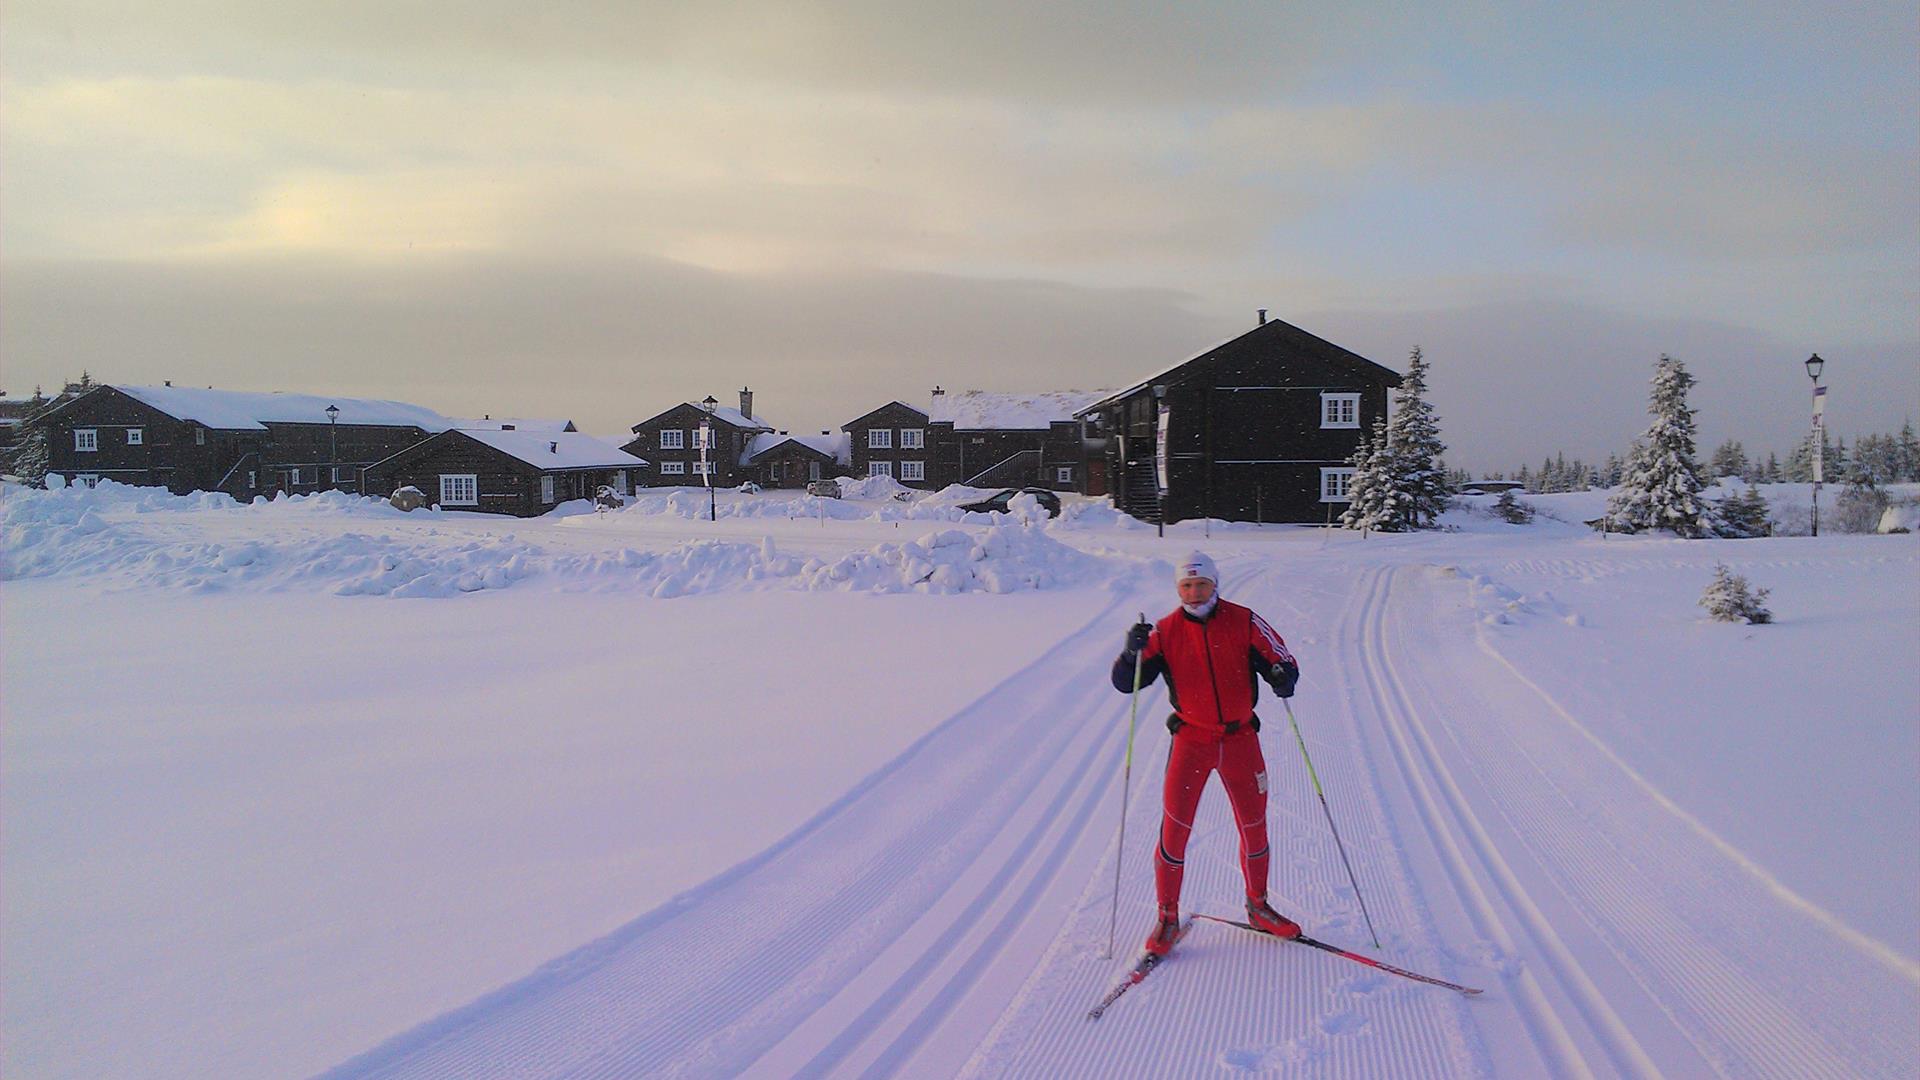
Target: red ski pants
(1243, 771)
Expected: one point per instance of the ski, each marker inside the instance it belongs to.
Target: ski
(1338, 951)
(1141, 969)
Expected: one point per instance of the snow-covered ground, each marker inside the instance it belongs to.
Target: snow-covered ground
(831, 787)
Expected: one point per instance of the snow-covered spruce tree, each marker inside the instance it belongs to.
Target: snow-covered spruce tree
(1860, 506)
(1661, 489)
(1731, 598)
(1419, 478)
(1908, 453)
(29, 460)
(1372, 482)
(1742, 516)
(1729, 459)
(1512, 510)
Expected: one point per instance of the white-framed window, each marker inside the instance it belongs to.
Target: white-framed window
(880, 438)
(343, 474)
(913, 470)
(1339, 410)
(293, 476)
(702, 436)
(459, 489)
(912, 438)
(253, 479)
(620, 482)
(702, 468)
(136, 436)
(546, 488)
(87, 478)
(86, 440)
(673, 468)
(1333, 484)
(879, 468)
(1063, 474)
(673, 439)
(199, 436)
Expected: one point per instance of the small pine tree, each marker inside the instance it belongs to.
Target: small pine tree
(1731, 598)
(1743, 516)
(1419, 477)
(1662, 486)
(1729, 459)
(1611, 472)
(1512, 510)
(1368, 487)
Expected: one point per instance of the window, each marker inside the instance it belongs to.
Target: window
(253, 479)
(136, 436)
(293, 476)
(702, 468)
(1063, 474)
(88, 479)
(813, 470)
(1333, 484)
(879, 438)
(546, 488)
(913, 470)
(86, 440)
(673, 468)
(673, 439)
(459, 490)
(620, 481)
(879, 468)
(912, 438)
(1339, 410)
(702, 436)
(343, 474)
(199, 436)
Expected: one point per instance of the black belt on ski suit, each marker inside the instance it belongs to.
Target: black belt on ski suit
(1174, 724)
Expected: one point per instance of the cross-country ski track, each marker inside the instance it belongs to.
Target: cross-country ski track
(949, 914)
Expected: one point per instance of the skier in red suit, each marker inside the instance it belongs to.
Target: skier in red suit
(1210, 650)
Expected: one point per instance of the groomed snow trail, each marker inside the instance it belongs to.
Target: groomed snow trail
(948, 916)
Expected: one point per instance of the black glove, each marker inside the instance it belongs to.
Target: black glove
(1137, 635)
(1283, 678)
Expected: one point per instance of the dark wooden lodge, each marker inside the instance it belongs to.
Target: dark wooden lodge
(780, 460)
(524, 473)
(975, 438)
(244, 444)
(1260, 429)
(671, 441)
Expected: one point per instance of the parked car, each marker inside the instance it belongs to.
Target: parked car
(997, 502)
(826, 489)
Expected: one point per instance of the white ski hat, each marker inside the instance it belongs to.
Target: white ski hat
(1197, 564)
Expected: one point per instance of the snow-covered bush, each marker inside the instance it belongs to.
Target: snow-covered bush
(1731, 598)
(1512, 510)
(1860, 506)
(408, 498)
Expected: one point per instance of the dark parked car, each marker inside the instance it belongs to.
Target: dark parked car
(997, 503)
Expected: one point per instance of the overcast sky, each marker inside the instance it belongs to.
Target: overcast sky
(597, 210)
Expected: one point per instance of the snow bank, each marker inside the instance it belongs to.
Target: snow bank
(100, 534)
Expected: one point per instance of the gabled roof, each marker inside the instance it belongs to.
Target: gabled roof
(832, 447)
(896, 404)
(1273, 327)
(243, 410)
(734, 417)
(975, 410)
(557, 449)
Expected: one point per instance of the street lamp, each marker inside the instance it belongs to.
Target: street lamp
(1819, 442)
(333, 444)
(706, 457)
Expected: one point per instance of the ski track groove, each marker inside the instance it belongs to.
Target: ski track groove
(1472, 859)
(702, 993)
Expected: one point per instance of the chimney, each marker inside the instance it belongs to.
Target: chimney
(937, 392)
(746, 403)
(1263, 316)
(168, 382)
(506, 427)
(553, 448)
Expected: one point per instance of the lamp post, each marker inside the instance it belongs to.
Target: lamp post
(706, 457)
(1814, 364)
(333, 445)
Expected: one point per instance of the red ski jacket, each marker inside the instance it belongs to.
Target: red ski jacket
(1210, 666)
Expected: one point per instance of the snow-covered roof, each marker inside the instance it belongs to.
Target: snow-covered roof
(556, 449)
(978, 409)
(516, 423)
(242, 410)
(735, 417)
(836, 446)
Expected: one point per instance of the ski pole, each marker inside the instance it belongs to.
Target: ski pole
(1126, 785)
(1315, 777)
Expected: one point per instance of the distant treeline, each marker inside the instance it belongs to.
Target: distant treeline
(1871, 459)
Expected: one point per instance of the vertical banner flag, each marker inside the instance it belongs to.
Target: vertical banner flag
(704, 433)
(1160, 449)
(1819, 433)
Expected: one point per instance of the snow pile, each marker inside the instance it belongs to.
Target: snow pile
(1498, 604)
(943, 562)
